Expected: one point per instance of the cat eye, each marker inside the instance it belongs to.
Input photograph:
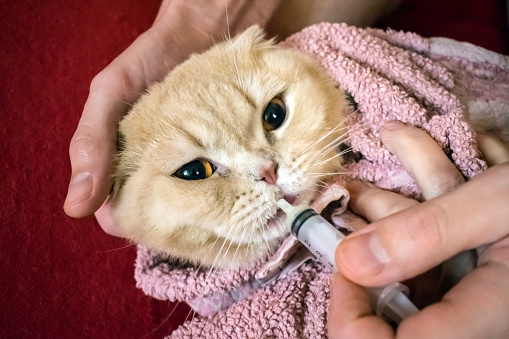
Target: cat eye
(196, 170)
(274, 114)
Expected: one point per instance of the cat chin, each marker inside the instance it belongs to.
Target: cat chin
(275, 227)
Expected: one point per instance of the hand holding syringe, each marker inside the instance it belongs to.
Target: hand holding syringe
(322, 239)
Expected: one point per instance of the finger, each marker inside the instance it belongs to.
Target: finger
(479, 300)
(104, 216)
(421, 156)
(374, 203)
(416, 239)
(93, 145)
(350, 314)
(91, 153)
(492, 149)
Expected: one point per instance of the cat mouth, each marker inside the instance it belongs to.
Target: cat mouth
(280, 215)
(290, 198)
(276, 220)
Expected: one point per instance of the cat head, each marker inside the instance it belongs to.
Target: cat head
(206, 151)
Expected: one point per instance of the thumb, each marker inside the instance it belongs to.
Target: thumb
(416, 239)
(91, 153)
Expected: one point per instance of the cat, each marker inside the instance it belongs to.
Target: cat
(205, 153)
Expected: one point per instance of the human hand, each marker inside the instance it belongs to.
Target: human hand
(180, 28)
(406, 239)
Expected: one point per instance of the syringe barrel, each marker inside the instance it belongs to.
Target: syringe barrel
(322, 239)
(318, 235)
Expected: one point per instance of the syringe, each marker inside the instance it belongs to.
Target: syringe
(322, 239)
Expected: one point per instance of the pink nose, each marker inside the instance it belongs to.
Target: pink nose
(269, 174)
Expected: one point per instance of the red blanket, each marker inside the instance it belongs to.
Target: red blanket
(61, 277)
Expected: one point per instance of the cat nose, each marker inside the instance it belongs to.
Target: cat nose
(269, 174)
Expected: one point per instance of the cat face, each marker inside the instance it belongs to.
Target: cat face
(206, 151)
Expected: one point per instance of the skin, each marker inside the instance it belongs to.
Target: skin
(406, 239)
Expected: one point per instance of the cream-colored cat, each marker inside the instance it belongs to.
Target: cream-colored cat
(205, 151)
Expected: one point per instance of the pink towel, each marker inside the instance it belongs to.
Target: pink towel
(436, 84)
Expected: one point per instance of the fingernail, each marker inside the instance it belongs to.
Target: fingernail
(363, 255)
(80, 189)
(392, 125)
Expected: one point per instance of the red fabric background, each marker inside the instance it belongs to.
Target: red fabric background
(61, 277)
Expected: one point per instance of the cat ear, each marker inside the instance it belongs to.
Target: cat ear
(252, 38)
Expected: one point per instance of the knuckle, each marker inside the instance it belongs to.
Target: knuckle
(375, 203)
(442, 181)
(367, 200)
(86, 135)
(113, 78)
(84, 132)
(88, 145)
(81, 148)
(400, 205)
(101, 80)
(88, 149)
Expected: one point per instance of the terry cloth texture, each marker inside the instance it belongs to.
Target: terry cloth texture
(435, 84)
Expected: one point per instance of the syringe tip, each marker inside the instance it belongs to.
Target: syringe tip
(284, 205)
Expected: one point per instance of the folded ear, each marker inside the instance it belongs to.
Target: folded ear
(252, 38)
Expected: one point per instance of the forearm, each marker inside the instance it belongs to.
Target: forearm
(293, 15)
(214, 18)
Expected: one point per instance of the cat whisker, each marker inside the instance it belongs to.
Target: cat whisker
(191, 311)
(241, 239)
(231, 243)
(344, 138)
(332, 130)
(331, 158)
(341, 139)
(269, 250)
(162, 322)
(321, 184)
(211, 247)
(332, 145)
(127, 103)
(308, 190)
(238, 229)
(248, 249)
(349, 149)
(323, 137)
(331, 173)
(335, 129)
(227, 20)
(217, 256)
(115, 249)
